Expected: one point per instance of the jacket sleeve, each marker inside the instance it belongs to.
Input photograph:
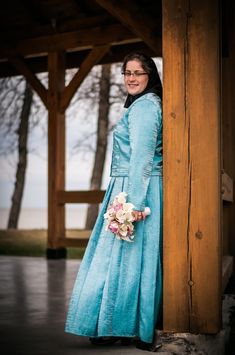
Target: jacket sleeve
(145, 120)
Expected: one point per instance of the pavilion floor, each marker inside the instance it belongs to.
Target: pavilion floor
(34, 295)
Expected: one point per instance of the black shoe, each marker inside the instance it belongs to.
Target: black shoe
(104, 340)
(147, 346)
(125, 341)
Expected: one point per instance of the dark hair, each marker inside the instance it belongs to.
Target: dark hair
(147, 62)
(150, 67)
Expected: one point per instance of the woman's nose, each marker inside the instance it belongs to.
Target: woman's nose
(132, 76)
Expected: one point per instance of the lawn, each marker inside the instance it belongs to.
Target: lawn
(31, 242)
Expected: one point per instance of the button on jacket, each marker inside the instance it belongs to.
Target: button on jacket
(137, 147)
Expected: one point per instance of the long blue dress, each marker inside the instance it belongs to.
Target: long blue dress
(119, 284)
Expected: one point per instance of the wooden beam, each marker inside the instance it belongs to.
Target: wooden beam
(23, 69)
(92, 59)
(56, 151)
(95, 196)
(80, 40)
(74, 59)
(192, 172)
(23, 31)
(28, 32)
(84, 23)
(133, 17)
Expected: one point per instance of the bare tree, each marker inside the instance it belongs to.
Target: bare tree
(102, 89)
(16, 96)
(22, 134)
(11, 98)
(101, 143)
(86, 102)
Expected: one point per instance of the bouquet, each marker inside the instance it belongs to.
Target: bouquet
(120, 217)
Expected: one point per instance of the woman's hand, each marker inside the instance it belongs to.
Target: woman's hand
(138, 215)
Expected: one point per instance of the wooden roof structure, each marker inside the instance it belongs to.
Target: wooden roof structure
(52, 35)
(32, 28)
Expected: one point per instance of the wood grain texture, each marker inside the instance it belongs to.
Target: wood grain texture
(192, 190)
(176, 168)
(204, 112)
(56, 150)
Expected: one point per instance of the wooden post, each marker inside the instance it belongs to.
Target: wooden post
(56, 156)
(176, 179)
(192, 194)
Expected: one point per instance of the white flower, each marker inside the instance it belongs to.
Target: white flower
(129, 217)
(121, 197)
(120, 216)
(123, 230)
(128, 207)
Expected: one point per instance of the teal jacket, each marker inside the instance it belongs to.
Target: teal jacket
(137, 147)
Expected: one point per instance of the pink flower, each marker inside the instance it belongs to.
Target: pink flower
(113, 226)
(117, 207)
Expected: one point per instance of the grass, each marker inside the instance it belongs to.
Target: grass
(31, 242)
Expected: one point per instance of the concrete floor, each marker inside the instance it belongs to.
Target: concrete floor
(34, 295)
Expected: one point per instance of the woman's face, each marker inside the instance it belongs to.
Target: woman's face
(135, 77)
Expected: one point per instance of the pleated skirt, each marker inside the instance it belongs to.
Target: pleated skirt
(118, 289)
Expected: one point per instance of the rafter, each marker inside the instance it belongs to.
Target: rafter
(25, 31)
(36, 84)
(76, 40)
(92, 59)
(133, 17)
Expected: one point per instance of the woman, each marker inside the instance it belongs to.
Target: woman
(117, 294)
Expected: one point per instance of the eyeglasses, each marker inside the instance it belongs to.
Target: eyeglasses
(136, 73)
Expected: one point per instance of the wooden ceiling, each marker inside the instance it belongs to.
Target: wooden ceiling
(32, 28)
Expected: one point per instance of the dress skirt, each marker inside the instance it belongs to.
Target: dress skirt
(118, 289)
